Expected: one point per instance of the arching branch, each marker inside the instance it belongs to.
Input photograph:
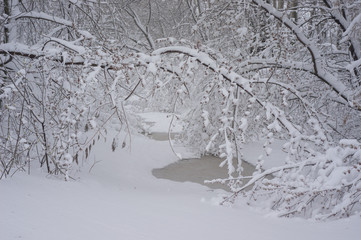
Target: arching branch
(231, 77)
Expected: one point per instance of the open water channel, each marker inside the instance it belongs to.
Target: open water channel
(196, 170)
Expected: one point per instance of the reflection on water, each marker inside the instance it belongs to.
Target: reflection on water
(198, 170)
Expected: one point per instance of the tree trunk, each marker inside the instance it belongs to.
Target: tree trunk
(293, 7)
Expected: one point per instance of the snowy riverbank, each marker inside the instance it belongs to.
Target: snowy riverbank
(121, 199)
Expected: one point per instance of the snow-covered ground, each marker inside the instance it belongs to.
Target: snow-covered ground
(121, 199)
(160, 122)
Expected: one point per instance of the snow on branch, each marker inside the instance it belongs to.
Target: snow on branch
(44, 16)
(347, 27)
(356, 21)
(69, 45)
(257, 64)
(296, 189)
(20, 50)
(317, 61)
(232, 77)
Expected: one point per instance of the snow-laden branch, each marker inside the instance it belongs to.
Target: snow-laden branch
(317, 59)
(351, 25)
(346, 26)
(19, 49)
(311, 111)
(324, 186)
(230, 76)
(35, 52)
(268, 172)
(259, 63)
(44, 16)
(67, 44)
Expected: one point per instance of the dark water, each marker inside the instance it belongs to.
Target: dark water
(198, 170)
(161, 136)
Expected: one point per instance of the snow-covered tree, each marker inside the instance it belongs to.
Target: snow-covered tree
(61, 82)
(238, 71)
(302, 72)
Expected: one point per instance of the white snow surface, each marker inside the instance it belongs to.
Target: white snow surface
(159, 122)
(252, 152)
(121, 199)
